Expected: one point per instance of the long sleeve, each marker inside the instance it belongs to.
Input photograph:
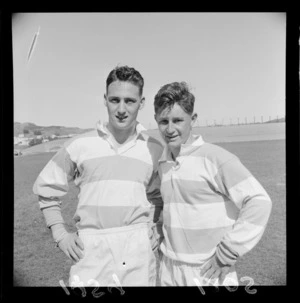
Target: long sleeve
(154, 197)
(254, 205)
(52, 184)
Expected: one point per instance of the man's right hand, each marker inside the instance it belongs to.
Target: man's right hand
(72, 246)
(156, 235)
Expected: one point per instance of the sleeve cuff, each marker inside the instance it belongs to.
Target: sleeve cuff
(53, 215)
(226, 256)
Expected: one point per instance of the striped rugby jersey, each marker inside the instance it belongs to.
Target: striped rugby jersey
(118, 186)
(212, 204)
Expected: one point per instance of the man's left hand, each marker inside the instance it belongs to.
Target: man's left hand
(214, 270)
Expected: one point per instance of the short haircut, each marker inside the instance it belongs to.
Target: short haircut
(176, 92)
(126, 74)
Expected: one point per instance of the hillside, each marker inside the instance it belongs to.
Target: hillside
(47, 130)
(51, 146)
(276, 121)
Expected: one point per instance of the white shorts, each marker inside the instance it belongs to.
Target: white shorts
(176, 273)
(115, 257)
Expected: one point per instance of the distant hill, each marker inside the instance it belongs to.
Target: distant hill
(275, 120)
(51, 146)
(47, 130)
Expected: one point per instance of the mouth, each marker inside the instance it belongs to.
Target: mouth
(121, 118)
(171, 138)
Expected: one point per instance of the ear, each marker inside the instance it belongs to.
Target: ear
(142, 103)
(194, 118)
(105, 100)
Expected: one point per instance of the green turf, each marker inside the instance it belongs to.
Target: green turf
(38, 263)
(266, 263)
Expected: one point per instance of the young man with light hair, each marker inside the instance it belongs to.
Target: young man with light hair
(215, 211)
(119, 202)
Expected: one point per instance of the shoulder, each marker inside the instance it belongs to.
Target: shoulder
(215, 154)
(152, 145)
(81, 138)
(151, 141)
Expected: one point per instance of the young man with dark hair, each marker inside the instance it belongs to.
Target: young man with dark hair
(215, 211)
(115, 169)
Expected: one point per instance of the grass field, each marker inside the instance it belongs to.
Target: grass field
(38, 263)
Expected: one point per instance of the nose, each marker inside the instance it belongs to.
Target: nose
(170, 128)
(121, 108)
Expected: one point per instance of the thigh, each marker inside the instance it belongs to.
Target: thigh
(138, 261)
(170, 274)
(176, 273)
(122, 258)
(97, 266)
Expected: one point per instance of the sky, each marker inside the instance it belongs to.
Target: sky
(234, 64)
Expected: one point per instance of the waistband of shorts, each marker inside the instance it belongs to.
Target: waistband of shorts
(179, 263)
(193, 260)
(92, 231)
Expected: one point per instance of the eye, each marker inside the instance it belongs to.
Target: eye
(177, 120)
(130, 101)
(114, 100)
(163, 122)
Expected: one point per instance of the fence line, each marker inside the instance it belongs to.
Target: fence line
(232, 121)
(239, 121)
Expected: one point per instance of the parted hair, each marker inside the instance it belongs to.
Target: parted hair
(127, 74)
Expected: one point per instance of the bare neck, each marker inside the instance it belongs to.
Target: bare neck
(176, 150)
(122, 136)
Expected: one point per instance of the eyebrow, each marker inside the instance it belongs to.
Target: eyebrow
(126, 98)
(131, 99)
(174, 118)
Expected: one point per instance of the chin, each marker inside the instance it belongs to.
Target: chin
(125, 125)
(173, 144)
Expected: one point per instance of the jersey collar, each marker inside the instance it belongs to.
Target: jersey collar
(195, 142)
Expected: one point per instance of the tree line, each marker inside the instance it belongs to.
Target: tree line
(36, 141)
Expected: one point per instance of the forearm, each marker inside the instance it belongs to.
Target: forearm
(155, 199)
(242, 189)
(54, 221)
(52, 215)
(155, 214)
(246, 232)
